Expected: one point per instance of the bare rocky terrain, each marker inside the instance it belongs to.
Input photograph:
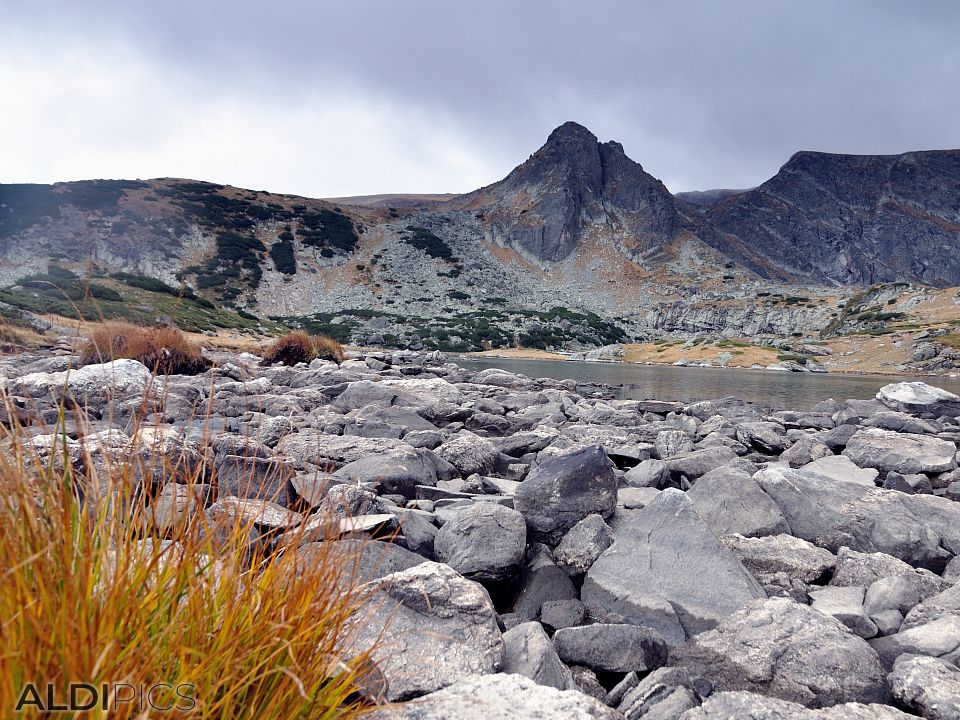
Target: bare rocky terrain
(537, 549)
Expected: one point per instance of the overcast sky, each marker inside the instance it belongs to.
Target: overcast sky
(342, 98)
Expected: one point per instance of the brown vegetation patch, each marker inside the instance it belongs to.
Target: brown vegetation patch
(162, 349)
(299, 347)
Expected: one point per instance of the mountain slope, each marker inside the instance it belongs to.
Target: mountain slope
(851, 219)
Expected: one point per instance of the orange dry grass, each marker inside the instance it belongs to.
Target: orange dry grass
(162, 349)
(299, 347)
(229, 630)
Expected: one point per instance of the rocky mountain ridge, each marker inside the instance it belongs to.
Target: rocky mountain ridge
(579, 229)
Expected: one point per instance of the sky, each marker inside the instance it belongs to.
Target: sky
(327, 98)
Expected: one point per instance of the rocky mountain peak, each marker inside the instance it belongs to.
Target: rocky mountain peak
(574, 183)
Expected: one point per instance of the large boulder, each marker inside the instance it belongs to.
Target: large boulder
(919, 398)
(470, 454)
(499, 697)
(562, 491)
(119, 379)
(922, 530)
(611, 648)
(705, 587)
(428, 627)
(483, 541)
(928, 686)
(904, 453)
(743, 705)
(781, 648)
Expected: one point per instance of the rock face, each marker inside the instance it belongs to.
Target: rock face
(843, 217)
(504, 697)
(442, 627)
(564, 490)
(483, 541)
(703, 589)
(780, 648)
(570, 183)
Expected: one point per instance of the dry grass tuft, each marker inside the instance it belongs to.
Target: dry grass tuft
(299, 347)
(162, 349)
(89, 592)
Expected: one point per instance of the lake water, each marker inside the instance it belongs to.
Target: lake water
(766, 388)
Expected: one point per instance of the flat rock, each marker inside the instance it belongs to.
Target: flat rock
(838, 467)
(781, 648)
(766, 557)
(499, 697)
(846, 605)
(707, 586)
(611, 648)
(428, 627)
(904, 453)
(744, 705)
(938, 638)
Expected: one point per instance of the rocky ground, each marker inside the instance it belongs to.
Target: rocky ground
(552, 553)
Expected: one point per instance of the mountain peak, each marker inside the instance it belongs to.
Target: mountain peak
(569, 132)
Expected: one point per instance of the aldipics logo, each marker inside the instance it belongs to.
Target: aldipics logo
(81, 697)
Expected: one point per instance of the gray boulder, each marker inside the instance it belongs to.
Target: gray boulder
(397, 472)
(766, 437)
(781, 648)
(804, 451)
(730, 501)
(904, 453)
(919, 398)
(767, 557)
(469, 454)
(938, 638)
(428, 627)
(529, 652)
(928, 686)
(483, 541)
(583, 544)
(743, 705)
(922, 530)
(705, 587)
(611, 648)
(562, 491)
(846, 605)
(499, 697)
(699, 462)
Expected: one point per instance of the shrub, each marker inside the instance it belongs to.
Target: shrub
(94, 590)
(283, 259)
(428, 242)
(299, 347)
(162, 349)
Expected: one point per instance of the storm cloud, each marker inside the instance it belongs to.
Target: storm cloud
(343, 98)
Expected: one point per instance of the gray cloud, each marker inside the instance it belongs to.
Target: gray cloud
(361, 97)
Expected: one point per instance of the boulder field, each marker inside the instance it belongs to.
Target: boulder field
(528, 550)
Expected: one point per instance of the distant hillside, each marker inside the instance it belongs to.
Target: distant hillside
(577, 246)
